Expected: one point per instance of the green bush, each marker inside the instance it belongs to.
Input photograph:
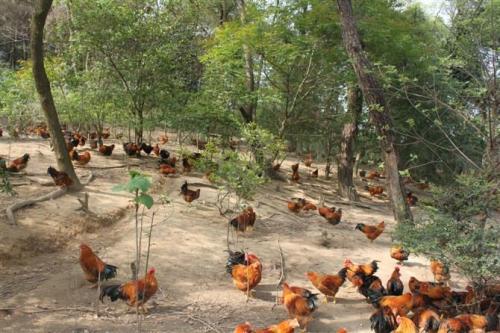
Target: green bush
(460, 229)
(264, 146)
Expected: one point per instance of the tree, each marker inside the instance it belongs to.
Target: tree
(379, 110)
(42, 8)
(346, 155)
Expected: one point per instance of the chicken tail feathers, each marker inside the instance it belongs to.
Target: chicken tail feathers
(383, 320)
(109, 272)
(235, 258)
(114, 292)
(374, 296)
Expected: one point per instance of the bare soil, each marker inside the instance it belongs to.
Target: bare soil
(42, 287)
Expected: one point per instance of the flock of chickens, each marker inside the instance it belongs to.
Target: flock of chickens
(427, 307)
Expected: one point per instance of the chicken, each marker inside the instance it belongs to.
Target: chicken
(244, 221)
(244, 328)
(411, 200)
(60, 178)
(415, 284)
(163, 139)
(341, 330)
(81, 141)
(106, 134)
(247, 275)
(373, 175)
(186, 165)
(309, 206)
(164, 155)
(93, 267)
(296, 204)
(365, 269)
(467, 323)
(277, 166)
(93, 144)
(286, 326)
(300, 304)
(435, 292)
(440, 271)
(156, 150)
(295, 172)
(328, 285)
(394, 284)
(427, 320)
(308, 160)
(463, 297)
(189, 195)
(398, 253)
(331, 215)
(166, 170)
(371, 231)
(314, 174)
(132, 149)
(171, 161)
(400, 305)
(135, 293)
(81, 159)
(374, 190)
(19, 163)
(383, 320)
(106, 150)
(370, 287)
(405, 325)
(146, 148)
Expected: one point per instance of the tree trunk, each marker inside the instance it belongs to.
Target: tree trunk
(346, 155)
(379, 111)
(248, 110)
(42, 83)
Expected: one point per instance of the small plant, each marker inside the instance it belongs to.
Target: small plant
(265, 147)
(5, 185)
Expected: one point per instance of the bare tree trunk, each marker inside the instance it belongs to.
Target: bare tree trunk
(379, 111)
(346, 155)
(248, 110)
(42, 83)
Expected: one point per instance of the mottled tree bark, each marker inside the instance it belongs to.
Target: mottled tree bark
(346, 154)
(379, 111)
(42, 83)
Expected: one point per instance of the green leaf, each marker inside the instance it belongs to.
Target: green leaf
(139, 182)
(146, 200)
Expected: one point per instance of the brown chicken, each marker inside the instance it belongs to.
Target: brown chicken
(296, 204)
(427, 320)
(189, 195)
(398, 253)
(328, 285)
(106, 150)
(132, 149)
(60, 178)
(81, 159)
(286, 326)
(135, 293)
(371, 231)
(434, 292)
(440, 271)
(373, 175)
(244, 328)
(342, 330)
(163, 139)
(400, 305)
(245, 221)
(332, 215)
(156, 150)
(411, 200)
(466, 323)
(365, 270)
(374, 190)
(186, 165)
(308, 160)
(405, 325)
(295, 172)
(314, 174)
(247, 274)
(93, 267)
(309, 206)
(19, 163)
(300, 304)
(166, 170)
(106, 134)
(394, 284)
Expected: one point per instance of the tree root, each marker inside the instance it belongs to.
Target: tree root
(11, 219)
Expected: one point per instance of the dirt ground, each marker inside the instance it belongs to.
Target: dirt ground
(41, 284)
